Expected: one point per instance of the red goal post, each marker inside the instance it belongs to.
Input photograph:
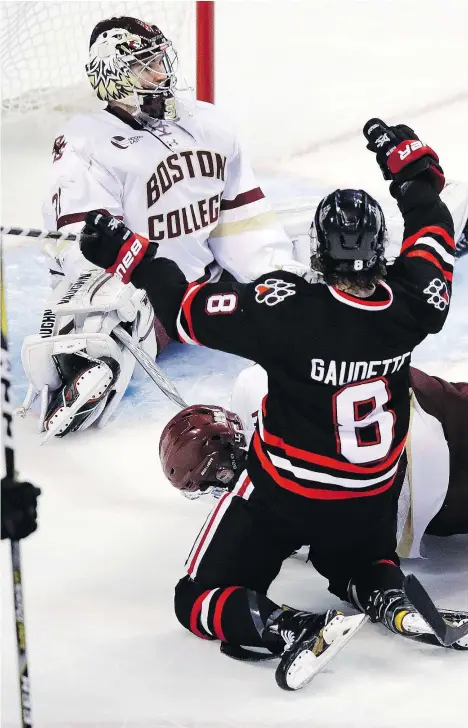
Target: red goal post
(205, 50)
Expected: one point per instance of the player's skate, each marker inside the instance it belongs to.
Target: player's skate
(83, 395)
(311, 640)
(396, 612)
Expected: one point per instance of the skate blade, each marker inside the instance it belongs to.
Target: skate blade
(93, 385)
(307, 664)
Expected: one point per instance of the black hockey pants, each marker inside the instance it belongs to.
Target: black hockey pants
(244, 541)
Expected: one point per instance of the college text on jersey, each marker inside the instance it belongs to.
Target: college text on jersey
(192, 217)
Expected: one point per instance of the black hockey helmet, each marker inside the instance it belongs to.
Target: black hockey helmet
(348, 232)
(121, 52)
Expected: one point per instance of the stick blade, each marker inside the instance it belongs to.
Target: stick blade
(446, 633)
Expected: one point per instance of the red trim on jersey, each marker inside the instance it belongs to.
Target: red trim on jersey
(218, 613)
(428, 256)
(244, 198)
(328, 462)
(195, 613)
(357, 419)
(364, 301)
(243, 487)
(377, 435)
(430, 229)
(316, 493)
(187, 301)
(206, 531)
(207, 528)
(385, 561)
(79, 217)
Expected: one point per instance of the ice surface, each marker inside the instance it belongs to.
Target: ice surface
(104, 646)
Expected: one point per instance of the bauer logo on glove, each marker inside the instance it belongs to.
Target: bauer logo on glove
(401, 155)
(108, 243)
(129, 259)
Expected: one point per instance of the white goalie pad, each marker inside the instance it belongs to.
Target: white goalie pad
(100, 292)
(37, 353)
(90, 309)
(37, 358)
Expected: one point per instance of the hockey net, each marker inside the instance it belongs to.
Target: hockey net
(44, 47)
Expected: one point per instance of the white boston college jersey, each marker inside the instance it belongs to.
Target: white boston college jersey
(185, 185)
(427, 475)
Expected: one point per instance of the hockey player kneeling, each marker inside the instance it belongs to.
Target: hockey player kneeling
(321, 468)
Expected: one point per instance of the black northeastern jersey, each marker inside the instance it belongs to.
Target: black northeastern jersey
(334, 422)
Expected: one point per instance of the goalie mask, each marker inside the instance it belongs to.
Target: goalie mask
(132, 62)
(348, 234)
(201, 448)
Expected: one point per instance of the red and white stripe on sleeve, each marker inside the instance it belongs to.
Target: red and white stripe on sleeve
(184, 318)
(434, 244)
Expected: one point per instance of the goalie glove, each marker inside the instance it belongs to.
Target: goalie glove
(401, 155)
(108, 243)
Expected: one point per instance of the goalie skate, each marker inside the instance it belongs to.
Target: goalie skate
(81, 398)
(319, 641)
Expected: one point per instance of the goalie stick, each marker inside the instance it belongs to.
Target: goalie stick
(19, 232)
(8, 444)
(150, 367)
(446, 633)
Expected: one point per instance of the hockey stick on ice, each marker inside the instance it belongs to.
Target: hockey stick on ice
(446, 633)
(7, 418)
(152, 369)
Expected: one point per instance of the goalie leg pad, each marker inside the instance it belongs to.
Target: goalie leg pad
(81, 400)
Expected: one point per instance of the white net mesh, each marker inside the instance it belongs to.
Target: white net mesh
(44, 47)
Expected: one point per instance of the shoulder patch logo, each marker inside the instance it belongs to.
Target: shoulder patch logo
(273, 291)
(437, 293)
(57, 150)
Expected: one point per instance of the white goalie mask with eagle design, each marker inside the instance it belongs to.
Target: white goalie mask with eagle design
(133, 62)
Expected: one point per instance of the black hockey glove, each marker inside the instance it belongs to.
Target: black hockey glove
(19, 509)
(401, 155)
(108, 243)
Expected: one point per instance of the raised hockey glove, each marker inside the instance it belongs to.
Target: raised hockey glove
(19, 509)
(401, 155)
(108, 243)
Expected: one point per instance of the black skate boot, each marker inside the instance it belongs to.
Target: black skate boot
(82, 397)
(394, 610)
(310, 641)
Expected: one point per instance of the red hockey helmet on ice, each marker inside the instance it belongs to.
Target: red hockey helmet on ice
(202, 447)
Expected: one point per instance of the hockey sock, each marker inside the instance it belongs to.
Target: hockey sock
(234, 614)
(381, 576)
